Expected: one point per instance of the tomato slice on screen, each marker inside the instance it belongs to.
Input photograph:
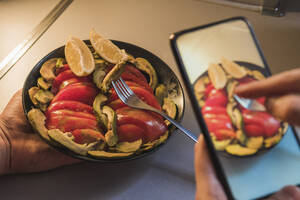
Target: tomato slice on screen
(263, 120)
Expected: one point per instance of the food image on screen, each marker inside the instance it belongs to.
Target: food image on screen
(233, 128)
(75, 106)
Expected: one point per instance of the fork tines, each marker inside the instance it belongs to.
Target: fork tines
(122, 89)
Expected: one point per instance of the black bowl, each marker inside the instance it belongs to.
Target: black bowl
(165, 76)
(265, 72)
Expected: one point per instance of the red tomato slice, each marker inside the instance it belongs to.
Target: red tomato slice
(116, 104)
(145, 95)
(213, 110)
(254, 131)
(130, 68)
(261, 100)
(70, 113)
(208, 89)
(77, 92)
(70, 105)
(82, 136)
(130, 133)
(221, 117)
(154, 126)
(62, 69)
(67, 123)
(216, 98)
(74, 80)
(65, 75)
(127, 76)
(217, 123)
(263, 120)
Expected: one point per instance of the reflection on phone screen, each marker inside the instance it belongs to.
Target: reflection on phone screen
(259, 154)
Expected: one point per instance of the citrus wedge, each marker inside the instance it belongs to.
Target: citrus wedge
(217, 76)
(235, 70)
(79, 57)
(106, 49)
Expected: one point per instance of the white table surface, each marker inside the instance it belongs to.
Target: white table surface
(168, 173)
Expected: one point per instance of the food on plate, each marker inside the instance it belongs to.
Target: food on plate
(75, 106)
(234, 129)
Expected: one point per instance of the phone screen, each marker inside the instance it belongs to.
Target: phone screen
(258, 153)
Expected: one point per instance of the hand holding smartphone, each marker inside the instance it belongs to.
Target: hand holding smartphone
(253, 153)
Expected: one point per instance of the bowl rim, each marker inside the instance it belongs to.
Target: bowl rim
(35, 70)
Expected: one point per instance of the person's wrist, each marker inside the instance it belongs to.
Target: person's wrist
(4, 149)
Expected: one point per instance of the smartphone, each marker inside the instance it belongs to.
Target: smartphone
(254, 154)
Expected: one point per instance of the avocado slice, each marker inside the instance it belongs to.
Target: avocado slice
(221, 145)
(66, 139)
(97, 106)
(43, 107)
(43, 84)
(217, 75)
(229, 109)
(127, 147)
(143, 65)
(271, 141)
(98, 76)
(160, 93)
(232, 68)
(32, 91)
(230, 90)
(101, 145)
(43, 96)
(104, 154)
(37, 120)
(238, 150)
(48, 68)
(111, 135)
(239, 123)
(170, 108)
(200, 85)
(114, 74)
(255, 142)
(60, 63)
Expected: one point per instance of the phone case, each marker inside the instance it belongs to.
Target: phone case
(200, 57)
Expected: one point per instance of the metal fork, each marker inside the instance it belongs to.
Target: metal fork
(250, 104)
(129, 98)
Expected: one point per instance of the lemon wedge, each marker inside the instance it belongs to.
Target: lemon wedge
(106, 49)
(217, 76)
(232, 68)
(79, 57)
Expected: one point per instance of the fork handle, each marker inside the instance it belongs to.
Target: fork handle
(184, 130)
